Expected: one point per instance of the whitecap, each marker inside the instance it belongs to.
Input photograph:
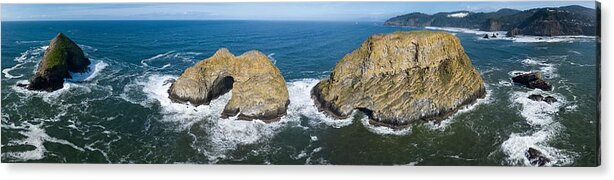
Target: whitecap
(548, 69)
(93, 70)
(537, 113)
(301, 105)
(551, 39)
(504, 83)
(518, 144)
(540, 116)
(442, 125)
(270, 56)
(468, 31)
(172, 56)
(157, 56)
(49, 97)
(383, 130)
(7, 71)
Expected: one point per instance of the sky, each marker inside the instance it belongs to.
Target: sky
(309, 11)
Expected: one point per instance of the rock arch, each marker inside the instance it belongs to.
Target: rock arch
(258, 89)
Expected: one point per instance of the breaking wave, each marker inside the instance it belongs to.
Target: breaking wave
(165, 60)
(540, 116)
(519, 38)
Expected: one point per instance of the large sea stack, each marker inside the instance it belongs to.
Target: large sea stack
(401, 77)
(258, 89)
(61, 57)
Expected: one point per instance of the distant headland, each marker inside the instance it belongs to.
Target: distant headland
(561, 21)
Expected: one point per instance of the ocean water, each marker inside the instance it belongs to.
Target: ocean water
(119, 112)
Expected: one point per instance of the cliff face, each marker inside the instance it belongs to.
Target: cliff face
(258, 88)
(557, 22)
(567, 20)
(401, 77)
(62, 56)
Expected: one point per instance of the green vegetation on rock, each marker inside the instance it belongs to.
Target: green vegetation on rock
(61, 57)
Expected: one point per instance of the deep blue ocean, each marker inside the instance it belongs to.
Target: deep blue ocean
(119, 112)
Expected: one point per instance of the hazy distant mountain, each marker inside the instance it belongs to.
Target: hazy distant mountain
(566, 20)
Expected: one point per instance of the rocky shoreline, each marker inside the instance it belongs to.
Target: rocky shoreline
(550, 21)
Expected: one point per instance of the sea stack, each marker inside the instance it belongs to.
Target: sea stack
(401, 77)
(258, 88)
(532, 80)
(61, 57)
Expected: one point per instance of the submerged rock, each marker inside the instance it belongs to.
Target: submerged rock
(537, 97)
(532, 80)
(61, 57)
(550, 99)
(401, 77)
(258, 88)
(536, 157)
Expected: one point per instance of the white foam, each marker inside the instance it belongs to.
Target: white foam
(30, 42)
(548, 69)
(383, 130)
(519, 38)
(170, 56)
(551, 39)
(156, 88)
(504, 83)
(7, 71)
(93, 70)
(270, 56)
(29, 56)
(540, 116)
(467, 31)
(36, 137)
(301, 105)
(442, 125)
(517, 146)
(537, 113)
(49, 97)
(225, 135)
(144, 61)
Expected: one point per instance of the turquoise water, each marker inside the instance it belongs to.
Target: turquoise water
(120, 113)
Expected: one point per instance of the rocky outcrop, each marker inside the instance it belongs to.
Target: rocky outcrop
(537, 97)
(258, 87)
(61, 57)
(513, 32)
(536, 157)
(401, 77)
(491, 25)
(532, 80)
